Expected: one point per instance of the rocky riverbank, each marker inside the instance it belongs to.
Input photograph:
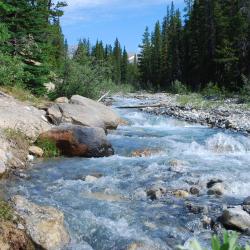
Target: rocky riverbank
(226, 114)
(76, 127)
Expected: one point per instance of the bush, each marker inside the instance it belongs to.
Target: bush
(229, 242)
(90, 80)
(11, 71)
(245, 91)
(49, 148)
(6, 212)
(178, 88)
(212, 89)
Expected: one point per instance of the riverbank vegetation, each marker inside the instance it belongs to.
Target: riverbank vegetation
(207, 52)
(35, 55)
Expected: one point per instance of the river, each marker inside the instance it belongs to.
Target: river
(114, 212)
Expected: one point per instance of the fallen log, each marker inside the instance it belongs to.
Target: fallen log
(141, 106)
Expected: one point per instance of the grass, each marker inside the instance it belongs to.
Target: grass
(24, 95)
(198, 101)
(228, 242)
(49, 148)
(6, 212)
(16, 136)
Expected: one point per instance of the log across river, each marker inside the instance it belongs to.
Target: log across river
(108, 202)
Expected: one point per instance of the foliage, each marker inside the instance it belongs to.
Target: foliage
(211, 45)
(178, 88)
(11, 71)
(49, 148)
(6, 212)
(212, 89)
(229, 242)
(245, 91)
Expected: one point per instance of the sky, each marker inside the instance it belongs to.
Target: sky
(107, 19)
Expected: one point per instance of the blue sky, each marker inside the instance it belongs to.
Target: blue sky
(107, 19)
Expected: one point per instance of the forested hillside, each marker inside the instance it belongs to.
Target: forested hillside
(33, 52)
(210, 48)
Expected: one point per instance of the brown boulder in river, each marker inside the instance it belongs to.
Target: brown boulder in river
(74, 140)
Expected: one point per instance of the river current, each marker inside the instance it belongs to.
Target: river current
(113, 211)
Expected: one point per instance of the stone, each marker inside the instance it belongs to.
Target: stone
(177, 166)
(110, 119)
(235, 218)
(156, 193)
(73, 140)
(196, 208)
(246, 208)
(247, 201)
(213, 182)
(144, 153)
(216, 189)
(20, 116)
(62, 99)
(3, 167)
(36, 151)
(194, 190)
(181, 193)
(45, 225)
(90, 178)
(50, 86)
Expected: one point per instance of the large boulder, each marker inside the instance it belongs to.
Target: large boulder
(45, 225)
(74, 140)
(84, 111)
(236, 218)
(22, 117)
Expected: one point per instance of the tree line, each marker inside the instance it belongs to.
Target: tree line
(33, 52)
(211, 44)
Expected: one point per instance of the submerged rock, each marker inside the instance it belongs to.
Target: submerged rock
(181, 193)
(235, 218)
(196, 208)
(194, 190)
(45, 225)
(156, 193)
(212, 182)
(247, 201)
(73, 140)
(177, 166)
(216, 189)
(144, 153)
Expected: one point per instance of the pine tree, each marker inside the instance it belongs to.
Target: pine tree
(117, 60)
(124, 66)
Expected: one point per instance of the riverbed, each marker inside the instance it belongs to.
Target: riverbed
(114, 211)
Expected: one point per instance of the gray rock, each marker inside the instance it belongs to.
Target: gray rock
(194, 190)
(235, 218)
(196, 208)
(216, 189)
(110, 119)
(20, 116)
(246, 208)
(213, 182)
(156, 192)
(73, 140)
(36, 151)
(62, 99)
(45, 225)
(247, 201)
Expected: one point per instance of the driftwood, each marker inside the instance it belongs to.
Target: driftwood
(141, 106)
(102, 97)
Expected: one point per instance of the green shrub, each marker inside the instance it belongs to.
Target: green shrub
(49, 148)
(6, 212)
(212, 89)
(229, 242)
(245, 91)
(11, 71)
(179, 88)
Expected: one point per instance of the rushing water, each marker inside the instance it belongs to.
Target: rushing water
(114, 212)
